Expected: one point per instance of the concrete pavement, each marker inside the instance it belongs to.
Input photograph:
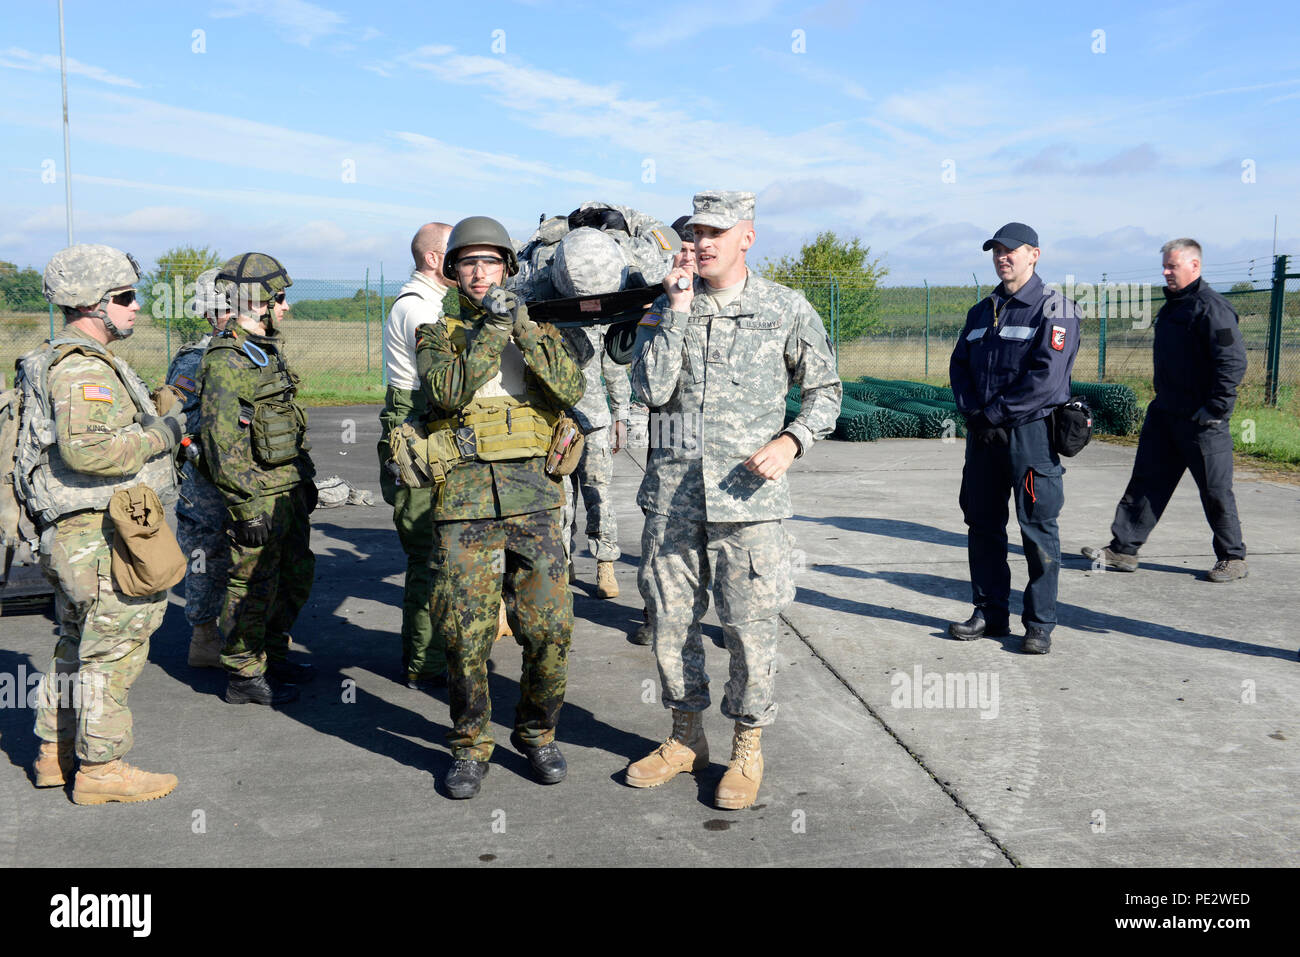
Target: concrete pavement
(1161, 730)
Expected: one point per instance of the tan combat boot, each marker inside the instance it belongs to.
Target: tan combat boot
(205, 646)
(606, 583)
(685, 750)
(54, 764)
(108, 781)
(503, 623)
(739, 786)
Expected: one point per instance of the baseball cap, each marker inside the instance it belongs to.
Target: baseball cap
(1013, 235)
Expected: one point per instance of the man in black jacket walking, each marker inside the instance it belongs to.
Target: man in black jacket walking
(1200, 360)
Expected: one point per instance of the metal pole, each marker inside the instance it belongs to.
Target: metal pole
(67, 149)
(1102, 315)
(383, 306)
(927, 327)
(1273, 352)
(977, 286)
(51, 320)
(367, 339)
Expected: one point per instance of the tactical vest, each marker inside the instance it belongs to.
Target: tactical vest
(504, 426)
(46, 486)
(277, 424)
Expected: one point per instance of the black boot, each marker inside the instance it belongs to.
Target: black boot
(286, 672)
(464, 778)
(259, 691)
(548, 764)
(977, 627)
(1037, 641)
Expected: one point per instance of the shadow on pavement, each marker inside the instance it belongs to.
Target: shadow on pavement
(1071, 616)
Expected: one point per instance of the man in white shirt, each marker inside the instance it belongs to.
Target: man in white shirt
(419, 302)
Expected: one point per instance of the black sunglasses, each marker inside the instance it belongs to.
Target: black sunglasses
(279, 297)
(123, 298)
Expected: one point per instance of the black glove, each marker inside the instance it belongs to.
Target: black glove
(501, 306)
(994, 437)
(170, 426)
(252, 532)
(310, 495)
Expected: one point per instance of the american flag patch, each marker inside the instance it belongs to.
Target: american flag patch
(186, 383)
(97, 393)
(650, 319)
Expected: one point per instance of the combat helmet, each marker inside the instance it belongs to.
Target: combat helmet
(251, 278)
(82, 275)
(479, 231)
(209, 301)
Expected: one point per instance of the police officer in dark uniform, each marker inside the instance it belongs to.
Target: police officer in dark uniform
(1200, 360)
(1010, 370)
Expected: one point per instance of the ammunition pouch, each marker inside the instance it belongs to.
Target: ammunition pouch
(279, 424)
(499, 430)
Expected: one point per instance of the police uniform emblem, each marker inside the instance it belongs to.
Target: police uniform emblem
(1058, 338)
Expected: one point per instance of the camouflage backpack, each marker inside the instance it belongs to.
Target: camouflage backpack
(25, 418)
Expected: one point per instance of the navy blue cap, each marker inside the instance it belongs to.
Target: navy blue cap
(1013, 235)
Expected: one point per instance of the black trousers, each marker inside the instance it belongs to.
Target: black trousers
(1029, 471)
(1168, 446)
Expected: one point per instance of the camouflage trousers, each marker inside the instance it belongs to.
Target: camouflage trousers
(475, 558)
(593, 481)
(268, 586)
(424, 648)
(201, 527)
(103, 642)
(748, 566)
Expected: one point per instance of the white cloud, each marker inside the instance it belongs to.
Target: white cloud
(674, 25)
(16, 58)
(683, 145)
(300, 22)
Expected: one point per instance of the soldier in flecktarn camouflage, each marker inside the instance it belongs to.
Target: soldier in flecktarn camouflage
(500, 380)
(108, 436)
(200, 508)
(715, 357)
(254, 449)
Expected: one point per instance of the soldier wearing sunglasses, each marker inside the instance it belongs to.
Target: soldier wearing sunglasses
(107, 436)
(253, 437)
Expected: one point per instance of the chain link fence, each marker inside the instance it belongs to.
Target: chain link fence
(335, 327)
(909, 332)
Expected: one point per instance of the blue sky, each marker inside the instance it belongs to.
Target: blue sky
(325, 133)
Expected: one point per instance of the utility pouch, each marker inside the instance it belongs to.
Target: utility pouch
(146, 558)
(422, 458)
(277, 425)
(1071, 426)
(565, 450)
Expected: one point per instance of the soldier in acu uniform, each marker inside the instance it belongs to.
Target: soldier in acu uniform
(200, 510)
(255, 451)
(499, 380)
(107, 436)
(715, 359)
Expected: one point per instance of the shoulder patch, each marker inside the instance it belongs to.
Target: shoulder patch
(660, 239)
(1058, 338)
(1224, 336)
(650, 319)
(186, 383)
(96, 393)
